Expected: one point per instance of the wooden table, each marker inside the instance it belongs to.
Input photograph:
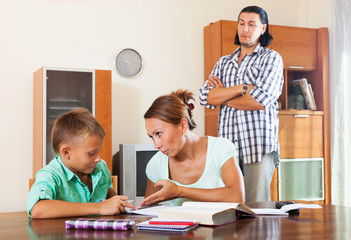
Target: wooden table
(331, 222)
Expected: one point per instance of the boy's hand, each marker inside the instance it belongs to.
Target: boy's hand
(114, 205)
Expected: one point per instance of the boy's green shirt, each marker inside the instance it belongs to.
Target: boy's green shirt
(56, 182)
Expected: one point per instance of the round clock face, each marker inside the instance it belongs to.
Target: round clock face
(128, 63)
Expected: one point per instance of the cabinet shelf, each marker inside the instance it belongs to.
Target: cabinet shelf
(312, 79)
(64, 108)
(59, 100)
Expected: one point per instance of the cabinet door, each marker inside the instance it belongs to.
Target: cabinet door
(297, 46)
(301, 136)
(218, 41)
(229, 29)
(211, 122)
(65, 91)
(301, 179)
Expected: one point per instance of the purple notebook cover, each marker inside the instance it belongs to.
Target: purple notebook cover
(100, 224)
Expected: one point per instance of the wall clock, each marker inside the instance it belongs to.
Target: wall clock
(129, 63)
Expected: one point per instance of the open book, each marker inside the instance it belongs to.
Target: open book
(206, 213)
(284, 210)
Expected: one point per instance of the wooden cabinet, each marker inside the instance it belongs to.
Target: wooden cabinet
(303, 134)
(56, 91)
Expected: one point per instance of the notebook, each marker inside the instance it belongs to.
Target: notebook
(163, 225)
(100, 224)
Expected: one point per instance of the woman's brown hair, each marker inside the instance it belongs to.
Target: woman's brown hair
(73, 127)
(173, 107)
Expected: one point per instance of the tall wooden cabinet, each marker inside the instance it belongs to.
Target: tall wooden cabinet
(57, 90)
(304, 135)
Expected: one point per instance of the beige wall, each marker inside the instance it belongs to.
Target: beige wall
(88, 34)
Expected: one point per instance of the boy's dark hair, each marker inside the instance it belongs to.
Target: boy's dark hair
(266, 38)
(73, 127)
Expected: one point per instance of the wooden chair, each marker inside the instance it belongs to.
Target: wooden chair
(31, 182)
(114, 183)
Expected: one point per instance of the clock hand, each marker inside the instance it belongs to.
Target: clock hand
(130, 70)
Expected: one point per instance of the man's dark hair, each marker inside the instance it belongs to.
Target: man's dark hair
(266, 38)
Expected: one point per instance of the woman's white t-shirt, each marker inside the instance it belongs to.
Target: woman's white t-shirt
(219, 150)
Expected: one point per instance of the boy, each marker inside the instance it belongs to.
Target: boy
(77, 180)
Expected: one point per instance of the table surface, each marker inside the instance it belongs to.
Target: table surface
(330, 222)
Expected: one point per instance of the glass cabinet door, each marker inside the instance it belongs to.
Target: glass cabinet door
(301, 179)
(65, 90)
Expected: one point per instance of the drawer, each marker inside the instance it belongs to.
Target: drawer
(301, 136)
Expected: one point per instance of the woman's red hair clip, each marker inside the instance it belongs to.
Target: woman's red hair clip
(191, 106)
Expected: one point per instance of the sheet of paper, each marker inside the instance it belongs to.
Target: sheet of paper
(150, 211)
(223, 205)
(289, 207)
(268, 211)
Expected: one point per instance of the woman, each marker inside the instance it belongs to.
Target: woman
(188, 167)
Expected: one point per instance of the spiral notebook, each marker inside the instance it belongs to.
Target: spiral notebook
(100, 224)
(166, 226)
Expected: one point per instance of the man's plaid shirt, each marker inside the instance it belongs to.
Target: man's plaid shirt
(254, 133)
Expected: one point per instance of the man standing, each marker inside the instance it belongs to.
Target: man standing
(246, 86)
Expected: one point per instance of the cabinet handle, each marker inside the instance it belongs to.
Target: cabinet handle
(296, 67)
(301, 115)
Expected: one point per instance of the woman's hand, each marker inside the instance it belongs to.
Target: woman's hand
(168, 190)
(114, 205)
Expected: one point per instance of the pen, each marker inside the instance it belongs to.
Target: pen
(128, 201)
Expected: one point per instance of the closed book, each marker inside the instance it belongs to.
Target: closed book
(166, 226)
(307, 92)
(207, 213)
(100, 224)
